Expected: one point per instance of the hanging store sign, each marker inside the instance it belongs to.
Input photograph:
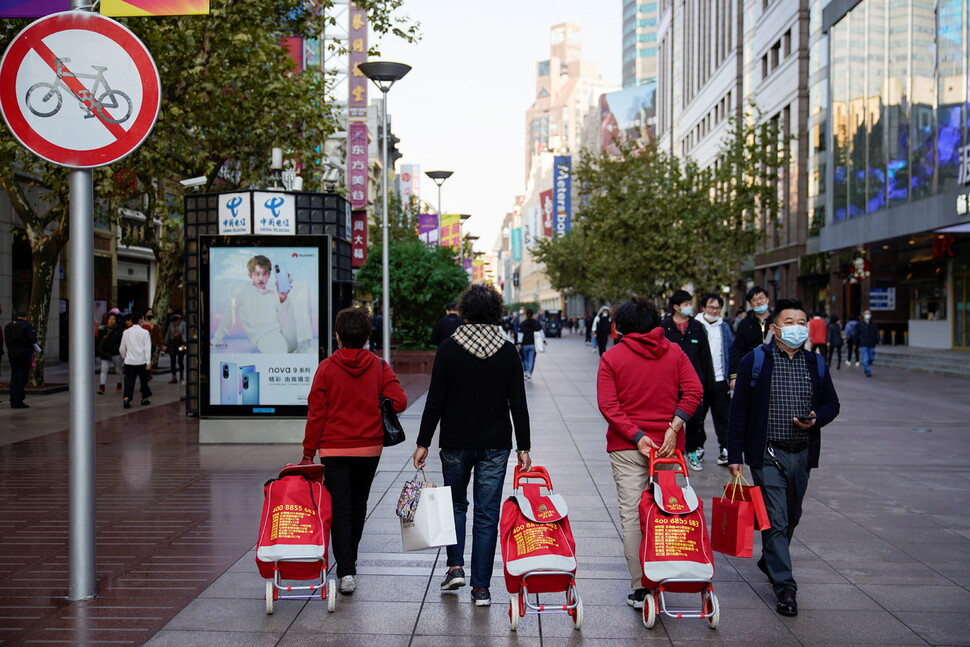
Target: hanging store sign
(562, 173)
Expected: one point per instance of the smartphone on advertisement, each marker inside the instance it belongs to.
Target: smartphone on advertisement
(229, 386)
(250, 385)
(282, 278)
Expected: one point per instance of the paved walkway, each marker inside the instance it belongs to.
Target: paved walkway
(881, 555)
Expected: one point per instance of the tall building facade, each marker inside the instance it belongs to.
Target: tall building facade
(639, 42)
(896, 221)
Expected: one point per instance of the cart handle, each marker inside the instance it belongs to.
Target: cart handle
(536, 472)
(677, 459)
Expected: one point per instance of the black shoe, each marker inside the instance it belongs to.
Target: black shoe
(481, 597)
(145, 401)
(636, 598)
(454, 580)
(764, 568)
(787, 606)
(127, 403)
(19, 405)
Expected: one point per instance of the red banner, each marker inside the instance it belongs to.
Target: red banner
(358, 238)
(545, 199)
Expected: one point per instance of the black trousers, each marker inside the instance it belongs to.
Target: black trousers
(141, 372)
(348, 480)
(19, 372)
(717, 400)
(832, 351)
(179, 356)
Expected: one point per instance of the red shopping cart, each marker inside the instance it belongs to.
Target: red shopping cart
(676, 548)
(538, 549)
(293, 536)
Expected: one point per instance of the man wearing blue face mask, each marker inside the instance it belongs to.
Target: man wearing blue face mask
(783, 397)
(752, 331)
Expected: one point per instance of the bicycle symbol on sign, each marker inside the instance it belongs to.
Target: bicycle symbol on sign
(47, 104)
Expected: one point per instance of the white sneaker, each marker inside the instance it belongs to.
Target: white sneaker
(700, 454)
(347, 585)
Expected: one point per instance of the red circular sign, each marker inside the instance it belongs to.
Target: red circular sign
(79, 89)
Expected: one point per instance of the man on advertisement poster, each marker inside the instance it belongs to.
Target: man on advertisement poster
(275, 321)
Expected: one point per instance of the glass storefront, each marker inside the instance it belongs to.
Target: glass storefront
(898, 110)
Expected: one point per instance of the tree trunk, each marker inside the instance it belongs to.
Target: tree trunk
(44, 253)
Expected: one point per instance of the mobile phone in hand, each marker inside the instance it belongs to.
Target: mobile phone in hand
(807, 418)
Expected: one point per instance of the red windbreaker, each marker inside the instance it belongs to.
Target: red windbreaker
(343, 401)
(643, 382)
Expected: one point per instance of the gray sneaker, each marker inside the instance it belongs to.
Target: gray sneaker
(347, 585)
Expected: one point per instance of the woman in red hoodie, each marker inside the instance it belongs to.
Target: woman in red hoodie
(646, 389)
(344, 426)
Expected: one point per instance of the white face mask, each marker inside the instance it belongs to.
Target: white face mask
(711, 318)
(867, 317)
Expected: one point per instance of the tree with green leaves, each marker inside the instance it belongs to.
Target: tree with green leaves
(652, 222)
(422, 280)
(230, 93)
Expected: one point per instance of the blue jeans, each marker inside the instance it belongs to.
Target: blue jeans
(868, 354)
(489, 466)
(528, 355)
(783, 481)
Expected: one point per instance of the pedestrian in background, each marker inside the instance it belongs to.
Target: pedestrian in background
(646, 389)
(818, 334)
(850, 341)
(717, 397)
(682, 329)
(834, 341)
(602, 328)
(444, 327)
(344, 426)
(477, 394)
(774, 427)
(867, 336)
(526, 342)
(136, 352)
(587, 327)
(109, 351)
(175, 338)
(21, 340)
(753, 329)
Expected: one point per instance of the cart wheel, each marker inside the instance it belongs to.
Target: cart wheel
(710, 604)
(270, 590)
(514, 616)
(331, 595)
(649, 611)
(578, 614)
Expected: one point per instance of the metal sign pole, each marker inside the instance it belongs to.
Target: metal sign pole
(83, 581)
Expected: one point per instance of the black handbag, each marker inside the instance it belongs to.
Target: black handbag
(393, 431)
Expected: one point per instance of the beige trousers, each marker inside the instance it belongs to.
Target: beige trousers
(630, 475)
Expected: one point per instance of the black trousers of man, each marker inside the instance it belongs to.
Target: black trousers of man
(19, 371)
(141, 372)
(348, 481)
(717, 400)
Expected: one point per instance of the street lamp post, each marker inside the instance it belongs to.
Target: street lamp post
(384, 74)
(439, 178)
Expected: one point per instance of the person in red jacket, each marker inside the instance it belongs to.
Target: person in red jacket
(647, 389)
(345, 427)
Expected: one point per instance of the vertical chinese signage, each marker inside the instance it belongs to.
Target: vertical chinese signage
(358, 238)
(357, 92)
(517, 244)
(478, 270)
(451, 230)
(428, 230)
(562, 185)
(545, 200)
(408, 184)
(357, 164)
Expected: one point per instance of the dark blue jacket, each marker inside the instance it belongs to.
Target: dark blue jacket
(748, 422)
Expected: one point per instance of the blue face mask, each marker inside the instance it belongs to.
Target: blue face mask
(687, 311)
(761, 309)
(794, 336)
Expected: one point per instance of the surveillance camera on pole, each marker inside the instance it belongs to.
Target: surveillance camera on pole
(194, 182)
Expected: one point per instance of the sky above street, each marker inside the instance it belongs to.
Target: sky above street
(462, 106)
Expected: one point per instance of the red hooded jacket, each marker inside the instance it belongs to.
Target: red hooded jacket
(643, 382)
(344, 401)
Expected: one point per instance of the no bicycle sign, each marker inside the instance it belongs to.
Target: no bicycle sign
(79, 90)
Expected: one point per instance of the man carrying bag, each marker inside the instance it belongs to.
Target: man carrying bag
(783, 396)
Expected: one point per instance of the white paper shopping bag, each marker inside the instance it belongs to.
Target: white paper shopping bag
(434, 521)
